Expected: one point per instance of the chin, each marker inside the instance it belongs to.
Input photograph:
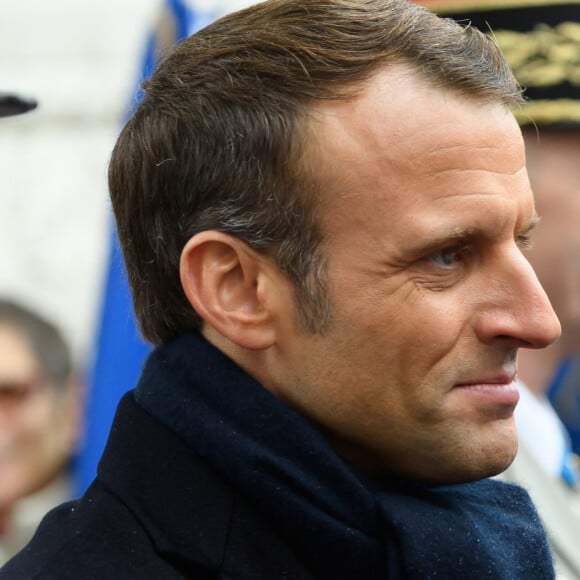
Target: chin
(495, 469)
(500, 466)
(465, 467)
(487, 464)
(468, 474)
(493, 451)
(475, 462)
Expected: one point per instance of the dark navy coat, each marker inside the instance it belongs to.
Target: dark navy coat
(154, 512)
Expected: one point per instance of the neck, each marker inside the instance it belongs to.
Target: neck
(537, 367)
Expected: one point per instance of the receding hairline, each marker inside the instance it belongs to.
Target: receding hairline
(405, 76)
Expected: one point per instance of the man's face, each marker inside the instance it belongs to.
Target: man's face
(425, 205)
(36, 422)
(555, 176)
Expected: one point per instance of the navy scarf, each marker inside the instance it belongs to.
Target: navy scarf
(338, 523)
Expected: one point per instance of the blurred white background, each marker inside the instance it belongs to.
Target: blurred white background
(80, 60)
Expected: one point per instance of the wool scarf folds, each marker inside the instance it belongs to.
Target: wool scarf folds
(340, 524)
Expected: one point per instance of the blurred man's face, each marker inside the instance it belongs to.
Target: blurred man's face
(36, 422)
(426, 208)
(554, 168)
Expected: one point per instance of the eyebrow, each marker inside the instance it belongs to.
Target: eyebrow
(461, 233)
(532, 224)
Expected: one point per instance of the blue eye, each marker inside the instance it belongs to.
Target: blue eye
(447, 256)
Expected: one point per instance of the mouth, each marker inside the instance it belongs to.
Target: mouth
(500, 390)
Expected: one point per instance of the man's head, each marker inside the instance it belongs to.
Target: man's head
(219, 139)
(338, 190)
(38, 403)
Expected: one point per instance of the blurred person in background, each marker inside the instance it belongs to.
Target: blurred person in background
(39, 419)
(39, 409)
(541, 42)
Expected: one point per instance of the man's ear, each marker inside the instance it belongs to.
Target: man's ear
(230, 286)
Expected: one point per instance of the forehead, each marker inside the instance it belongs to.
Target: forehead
(401, 139)
(16, 358)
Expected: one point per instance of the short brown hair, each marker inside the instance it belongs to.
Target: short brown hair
(217, 141)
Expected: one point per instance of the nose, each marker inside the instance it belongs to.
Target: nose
(517, 313)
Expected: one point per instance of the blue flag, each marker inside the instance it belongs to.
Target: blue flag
(564, 394)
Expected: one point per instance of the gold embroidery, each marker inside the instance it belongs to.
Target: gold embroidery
(544, 56)
(544, 112)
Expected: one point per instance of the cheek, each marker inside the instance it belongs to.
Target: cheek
(432, 326)
(21, 429)
(405, 360)
(26, 455)
(34, 432)
(394, 339)
(439, 338)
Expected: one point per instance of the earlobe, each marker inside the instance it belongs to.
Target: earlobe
(225, 280)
